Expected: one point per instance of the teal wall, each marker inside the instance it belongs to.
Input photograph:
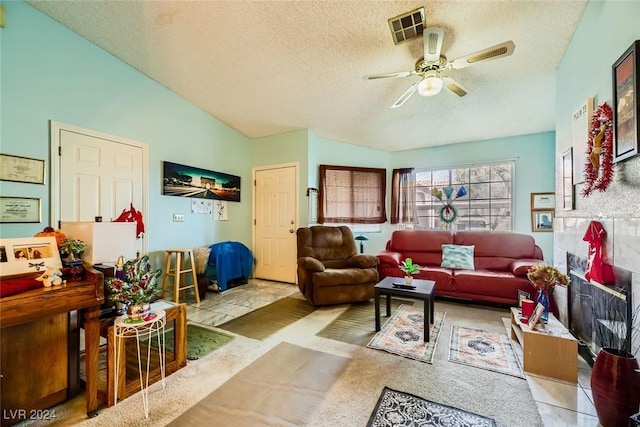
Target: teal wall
(50, 73)
(534, 165)
(605, 32)
(290, 147)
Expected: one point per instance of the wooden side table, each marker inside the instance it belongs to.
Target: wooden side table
(128, 375)
(550, 353)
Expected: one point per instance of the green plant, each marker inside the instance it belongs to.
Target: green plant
(409, 267)
(137, 285)
(69, 248)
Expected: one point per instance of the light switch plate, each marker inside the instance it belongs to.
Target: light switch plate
(178, 217)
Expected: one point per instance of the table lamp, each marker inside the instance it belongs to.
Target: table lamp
(361, 239)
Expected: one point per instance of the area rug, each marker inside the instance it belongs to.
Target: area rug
(283, 387)
(200, 341)
(266, 321)
(483, 349)
(358, 323)
(403, 334)
(398, 409)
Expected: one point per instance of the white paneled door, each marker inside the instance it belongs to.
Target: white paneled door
(96, 175)
(276, 223)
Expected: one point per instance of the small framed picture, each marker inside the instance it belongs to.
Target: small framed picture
(29, 255)
(535, 317)
(543, 201)
(21, 169)
(542, 220)
(522, 295)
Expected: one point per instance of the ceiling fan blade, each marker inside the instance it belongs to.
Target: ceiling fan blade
(432, 39)
(454, 86)
(494, 52)
(390, 75)
(406, 95)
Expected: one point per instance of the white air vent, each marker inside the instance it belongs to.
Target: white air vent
(407, 26)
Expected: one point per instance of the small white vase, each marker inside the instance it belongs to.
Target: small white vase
(408, 279)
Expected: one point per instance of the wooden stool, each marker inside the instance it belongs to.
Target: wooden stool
(177, 273)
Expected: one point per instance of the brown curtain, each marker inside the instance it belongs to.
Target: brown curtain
(403, 197)
(352, 195)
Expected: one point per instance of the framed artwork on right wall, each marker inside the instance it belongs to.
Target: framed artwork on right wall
(625, 104)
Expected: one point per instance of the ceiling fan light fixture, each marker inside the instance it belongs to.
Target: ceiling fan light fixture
(430, 85)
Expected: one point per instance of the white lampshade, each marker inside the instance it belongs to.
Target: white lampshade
(106, 241)
(430, 85)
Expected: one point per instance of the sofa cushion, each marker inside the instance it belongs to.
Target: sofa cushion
(457, 257)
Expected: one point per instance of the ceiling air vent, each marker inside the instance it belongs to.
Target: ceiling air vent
(407, 26)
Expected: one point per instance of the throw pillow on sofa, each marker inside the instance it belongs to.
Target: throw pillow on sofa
(457, 257)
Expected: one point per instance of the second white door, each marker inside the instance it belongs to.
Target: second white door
(276, 223)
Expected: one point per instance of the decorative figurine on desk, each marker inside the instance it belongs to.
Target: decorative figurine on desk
(51, 277)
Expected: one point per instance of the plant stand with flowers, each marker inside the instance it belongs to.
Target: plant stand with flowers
(136, 287)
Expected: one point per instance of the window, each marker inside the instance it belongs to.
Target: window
(350, 195)
(487, 206)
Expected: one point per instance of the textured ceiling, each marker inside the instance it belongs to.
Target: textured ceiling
(268, 67)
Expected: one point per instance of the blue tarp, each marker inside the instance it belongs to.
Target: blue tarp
(233, 260)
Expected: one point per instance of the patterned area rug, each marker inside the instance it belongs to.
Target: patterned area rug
(398, 409)
(403, 334)
(482, 349)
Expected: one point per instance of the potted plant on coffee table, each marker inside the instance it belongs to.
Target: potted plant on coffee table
(409, 269)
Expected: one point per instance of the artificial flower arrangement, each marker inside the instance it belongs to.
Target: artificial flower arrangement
(137, 285)
(545, 276)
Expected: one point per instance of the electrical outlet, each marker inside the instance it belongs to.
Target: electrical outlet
(178, 218)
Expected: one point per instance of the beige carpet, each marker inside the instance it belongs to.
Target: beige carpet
(357, 324)
(282, 388)
(266, 321)
(353, 396)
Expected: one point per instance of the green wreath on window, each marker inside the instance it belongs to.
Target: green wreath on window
(448, 214)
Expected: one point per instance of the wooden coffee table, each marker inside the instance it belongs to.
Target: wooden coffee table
(423, 291)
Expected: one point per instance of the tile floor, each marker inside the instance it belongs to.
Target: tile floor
(559, 403)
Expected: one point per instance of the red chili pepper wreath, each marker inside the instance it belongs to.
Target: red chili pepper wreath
(594, 180)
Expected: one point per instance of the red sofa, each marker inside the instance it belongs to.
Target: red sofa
(501, 261)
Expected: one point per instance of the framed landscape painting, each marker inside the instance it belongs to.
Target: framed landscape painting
(188, 181)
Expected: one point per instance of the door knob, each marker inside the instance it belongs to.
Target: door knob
(291, 230)
(292, 222)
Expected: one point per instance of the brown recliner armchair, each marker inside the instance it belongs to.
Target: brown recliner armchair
(330, 270)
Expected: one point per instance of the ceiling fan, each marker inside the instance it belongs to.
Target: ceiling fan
(433, 67)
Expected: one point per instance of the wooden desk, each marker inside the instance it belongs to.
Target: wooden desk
(44, 317)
